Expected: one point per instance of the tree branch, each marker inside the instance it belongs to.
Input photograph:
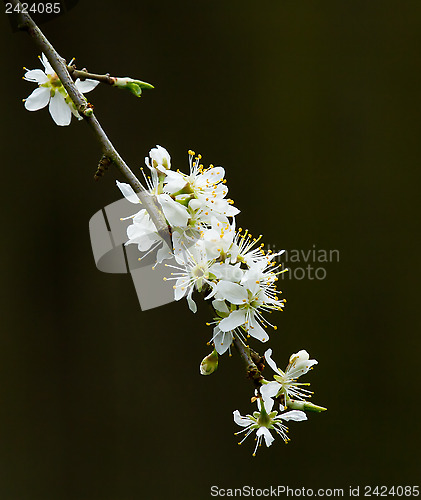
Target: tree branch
(66, 74)
(83, 75)
(85, 109)
(247, 355)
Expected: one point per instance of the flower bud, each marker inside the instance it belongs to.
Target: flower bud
(134, 86)
(209, 364)
(304, 405)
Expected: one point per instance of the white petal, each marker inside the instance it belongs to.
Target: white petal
(163, 253)
(234, 293)
(181, 287)
(269, 405)
(144, 241)
(86, 86)
(257, 331)
(176, 214)
(195, 203)
(38, 99)
(191, 302)
(222, 340)
(227, 272)
(240, 420)
(59, 110)
(300, 368)
(270, 361)
(36, 75)
(174, 181)
(160, 158)
(142, 218)
(231, 211)
(299, 356)
(128, 192)
(236, 318)
(220, 305)
(48, 69)
(263, 431)
(212, 176)
(269, 391)
(296, 415)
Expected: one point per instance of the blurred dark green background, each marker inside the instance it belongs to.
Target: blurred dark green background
(313, 108)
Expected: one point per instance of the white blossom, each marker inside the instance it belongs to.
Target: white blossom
(218, 237)
(142, 231)
(204, 189)
(265, 420)
(285, 383)
(193, 275)
(251, 298)
(51, 92)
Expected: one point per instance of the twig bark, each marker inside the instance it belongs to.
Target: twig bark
(252, 370)
(83, 75)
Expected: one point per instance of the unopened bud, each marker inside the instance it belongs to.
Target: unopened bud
(209, 364)
(134, 86)
(304, 405)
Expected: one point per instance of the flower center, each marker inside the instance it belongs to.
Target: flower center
(199, 272)
(264, 420)
(54, 80)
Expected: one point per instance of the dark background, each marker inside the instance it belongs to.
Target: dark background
(313, 108)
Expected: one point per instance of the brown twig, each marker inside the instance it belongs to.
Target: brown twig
(252, 370)
(82, 74)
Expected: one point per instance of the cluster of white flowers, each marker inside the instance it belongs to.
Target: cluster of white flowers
(288, 392)
(238, 276)
(230, 268)
(51, 91)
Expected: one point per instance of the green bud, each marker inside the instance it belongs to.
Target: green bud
(304, 405)
(134, 86)
(209, 364)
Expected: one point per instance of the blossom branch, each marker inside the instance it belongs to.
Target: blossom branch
(67, 74)
(134, 86)
(193, 216)
(86, 110)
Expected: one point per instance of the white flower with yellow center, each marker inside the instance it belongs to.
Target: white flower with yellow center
(203, 189)
(218, 237)
(51, 91)
(285, 384)
(193, 275)
(265, 420)
(255, 294)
